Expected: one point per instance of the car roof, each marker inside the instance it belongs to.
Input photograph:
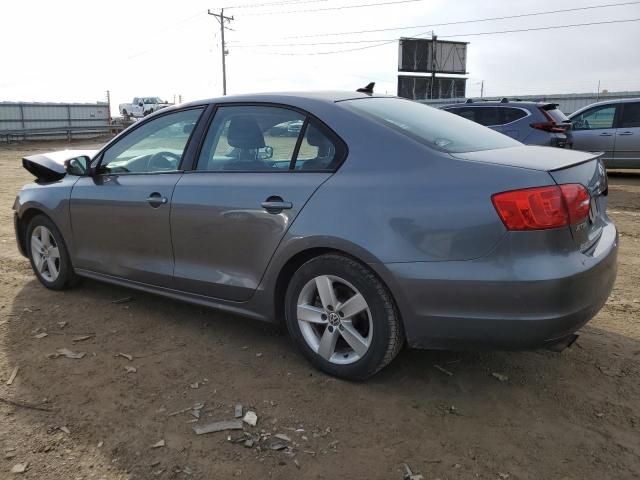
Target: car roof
(326, 96)
(496, 103)
(604, 102)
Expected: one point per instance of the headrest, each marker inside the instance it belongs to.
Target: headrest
(244, 132)
(315, 137)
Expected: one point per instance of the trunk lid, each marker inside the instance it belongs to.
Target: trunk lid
(593, 176)
(49, 167)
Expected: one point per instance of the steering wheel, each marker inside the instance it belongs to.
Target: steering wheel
(164, 161)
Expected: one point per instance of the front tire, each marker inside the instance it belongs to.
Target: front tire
(48, 254)
(342, 317)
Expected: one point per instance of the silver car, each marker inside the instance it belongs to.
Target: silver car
(611, 127)
(383, 222)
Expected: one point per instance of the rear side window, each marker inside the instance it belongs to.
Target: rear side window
(317, 150)
(433, 127)
(630, 115)
(511, 114)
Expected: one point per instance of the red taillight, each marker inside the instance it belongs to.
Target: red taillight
(549, 127)
(543, 207)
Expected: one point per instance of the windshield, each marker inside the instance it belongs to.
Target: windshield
(437, 128)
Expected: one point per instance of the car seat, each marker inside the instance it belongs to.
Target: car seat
(245, 135)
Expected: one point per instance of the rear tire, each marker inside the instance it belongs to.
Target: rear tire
(48, 254)
(342, 317)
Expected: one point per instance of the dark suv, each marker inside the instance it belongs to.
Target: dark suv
(532, 123)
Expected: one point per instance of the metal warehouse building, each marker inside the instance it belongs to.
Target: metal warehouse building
(22, 120)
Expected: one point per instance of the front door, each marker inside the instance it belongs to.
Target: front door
(120, 216)
(594, 131)
(627, 154)
(254, 175)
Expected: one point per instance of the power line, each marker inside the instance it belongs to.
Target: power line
(551, 27)
(270, 4)
(343, 7)
(523, 15)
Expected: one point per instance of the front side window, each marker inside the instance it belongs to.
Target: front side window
(433, 127)
(630, 115)
(156, 146)
(510, 114)
(595, 118)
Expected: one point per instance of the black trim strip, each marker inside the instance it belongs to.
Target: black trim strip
(296, 149)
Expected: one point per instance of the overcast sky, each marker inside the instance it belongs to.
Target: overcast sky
(75, 50)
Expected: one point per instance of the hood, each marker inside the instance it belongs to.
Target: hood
(532, 157)
(49, 167)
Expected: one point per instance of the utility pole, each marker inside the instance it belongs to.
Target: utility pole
(598, 94)
(109, 107)
(434, 38)
(482, 89)
(221, 18)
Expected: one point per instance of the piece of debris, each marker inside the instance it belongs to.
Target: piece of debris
(82, 338)
(130, 369)
(197, 406)
(409, 475)
(258, 355)
(218, 426)
(62, 324)
(275, 443)
(500, 376)
(238, 411)
(10, 454)
(159, 444)
(100, 444)
(20, 467)
(65, 430)
(249, 442)
(17, 403)
(453, 410)
(284, 437)
(250, 418)
(122, 300)
(187, 470)
(65, 352)
(41, 335)
(195, 385)
(13, 375)
(443, 370)
(504, 476)
(125, 355)
(599, 414)
(296, 463)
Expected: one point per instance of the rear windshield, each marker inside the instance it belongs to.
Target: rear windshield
(436, 128)
(555, 113)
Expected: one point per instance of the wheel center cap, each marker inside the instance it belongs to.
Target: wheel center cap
(334, 319)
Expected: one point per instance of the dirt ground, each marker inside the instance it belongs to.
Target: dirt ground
(574, 415)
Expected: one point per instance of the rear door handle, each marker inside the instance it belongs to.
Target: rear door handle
(605, 134)
(275, 204)
(625, 133)
(155, 200)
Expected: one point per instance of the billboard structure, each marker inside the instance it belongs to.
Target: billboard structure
(418, 55)
(419, 88)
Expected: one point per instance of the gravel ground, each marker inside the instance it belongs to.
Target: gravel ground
(574, 415)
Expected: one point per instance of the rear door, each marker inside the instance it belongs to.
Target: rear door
(251, 181)
(594, 131)
(120, 217)
(627, 146)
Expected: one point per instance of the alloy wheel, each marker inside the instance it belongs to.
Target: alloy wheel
(334, 319)
(45, 253)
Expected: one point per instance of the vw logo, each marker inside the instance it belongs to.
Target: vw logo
(334, 319)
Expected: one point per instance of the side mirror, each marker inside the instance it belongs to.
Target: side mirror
(140, 104)
(80, 166)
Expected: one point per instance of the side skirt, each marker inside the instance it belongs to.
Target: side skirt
(176, 294)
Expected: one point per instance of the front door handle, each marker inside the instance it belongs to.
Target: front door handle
(625, 133)
(605, 134)
(155, 200)
(275, 204)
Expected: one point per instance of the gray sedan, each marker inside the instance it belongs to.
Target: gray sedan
(382, 222)
(611, 127)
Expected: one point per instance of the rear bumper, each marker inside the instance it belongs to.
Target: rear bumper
(506, 300)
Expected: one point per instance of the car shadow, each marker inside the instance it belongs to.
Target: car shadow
(425, 406)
